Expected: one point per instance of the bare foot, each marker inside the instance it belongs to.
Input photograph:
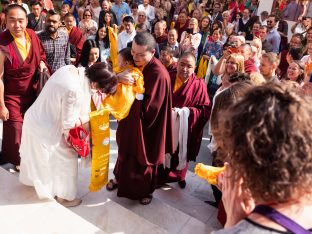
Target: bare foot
(66, 203)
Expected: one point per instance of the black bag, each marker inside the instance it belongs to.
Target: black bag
(40, 79)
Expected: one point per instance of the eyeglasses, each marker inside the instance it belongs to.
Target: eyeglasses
(142, 15)
(87, 15)
(231, 62)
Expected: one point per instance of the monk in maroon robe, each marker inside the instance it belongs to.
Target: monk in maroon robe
(145, 135)
(188, 91)
(76, 37)
(18, 80)
(166, 57)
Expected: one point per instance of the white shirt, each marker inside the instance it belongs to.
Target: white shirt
(124, 38)
(149, 11)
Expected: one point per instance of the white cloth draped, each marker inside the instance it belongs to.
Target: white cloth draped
(47, 162)
(180, 136)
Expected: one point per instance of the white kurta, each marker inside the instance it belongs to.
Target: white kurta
(47, 162)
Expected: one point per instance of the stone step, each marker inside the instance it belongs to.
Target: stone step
(172, 210)
(22, 212)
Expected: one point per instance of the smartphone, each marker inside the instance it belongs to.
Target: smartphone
(189, 30)
(233, 50)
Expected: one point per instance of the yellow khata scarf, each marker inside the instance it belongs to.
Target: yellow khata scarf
(119, 104)
(99, 121)
(202, 68)
(208, 173)
(23, 49)
(113, 48)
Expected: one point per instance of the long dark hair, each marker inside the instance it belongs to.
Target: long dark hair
(86, 48)
(102, 74)
(105, 39)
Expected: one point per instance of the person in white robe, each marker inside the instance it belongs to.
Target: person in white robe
(48, 162)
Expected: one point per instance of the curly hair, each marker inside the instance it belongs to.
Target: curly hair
(268, 139)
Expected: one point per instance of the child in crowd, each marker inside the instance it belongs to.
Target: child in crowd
(120, 103)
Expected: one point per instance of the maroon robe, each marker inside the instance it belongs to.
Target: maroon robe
(77, 39)
(19, 90)
(193, 94)
(145, 135)
(161, 39)
(181, 29)
(172, 69)
(250, 66)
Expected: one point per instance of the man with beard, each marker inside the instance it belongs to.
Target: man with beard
(21, 55)
(273, 36)
(295, 42)
(266, 46)
(55, 42)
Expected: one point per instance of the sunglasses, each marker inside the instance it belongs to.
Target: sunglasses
(87, 15)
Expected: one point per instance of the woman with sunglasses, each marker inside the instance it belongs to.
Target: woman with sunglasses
(87, 25)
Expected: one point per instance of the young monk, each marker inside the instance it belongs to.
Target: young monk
(120, 103)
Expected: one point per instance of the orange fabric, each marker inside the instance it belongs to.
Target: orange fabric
(24, 50)
(113, 48)
(178, 83)
(120, 103)
(99, 122)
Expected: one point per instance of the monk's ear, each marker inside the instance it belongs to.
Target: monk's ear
(153, 51)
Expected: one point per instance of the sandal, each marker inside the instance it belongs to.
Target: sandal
(182, 184)
(111, 185)
(146, 200)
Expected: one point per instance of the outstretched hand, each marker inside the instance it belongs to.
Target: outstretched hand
(125, 77)
(237, 202)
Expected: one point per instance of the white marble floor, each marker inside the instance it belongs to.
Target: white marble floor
(22, 212)
(172, 210)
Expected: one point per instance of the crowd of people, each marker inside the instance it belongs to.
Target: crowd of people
(178, 65)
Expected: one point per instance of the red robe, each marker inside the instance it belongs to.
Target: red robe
(77, 39)
(145, 135)
(193, 94)
(19, 90)
(181, 29)
(161, 39)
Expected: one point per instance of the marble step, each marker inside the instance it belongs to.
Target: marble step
(22, 212)
(172, 210)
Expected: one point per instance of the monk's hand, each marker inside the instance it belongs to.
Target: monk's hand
(125, 77)
(4, 113)
(42, 66)
(237, 202)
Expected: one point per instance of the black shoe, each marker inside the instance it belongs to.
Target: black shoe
(212, 203)
(182, 184)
